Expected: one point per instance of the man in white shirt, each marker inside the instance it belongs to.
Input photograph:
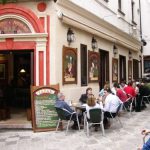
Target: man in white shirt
(110, 105)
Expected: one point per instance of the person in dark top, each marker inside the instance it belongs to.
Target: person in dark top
(84, 97)
(60, 103)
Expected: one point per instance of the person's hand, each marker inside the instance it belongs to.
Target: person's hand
(144, 132)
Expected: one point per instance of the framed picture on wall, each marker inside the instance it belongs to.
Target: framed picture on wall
(93, 66)
(2, 71)
(130, 70)
(114, 70)
(69, 62)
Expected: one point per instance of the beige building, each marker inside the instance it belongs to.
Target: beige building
(73, 43)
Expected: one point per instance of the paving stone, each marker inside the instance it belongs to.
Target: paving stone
(116, 138)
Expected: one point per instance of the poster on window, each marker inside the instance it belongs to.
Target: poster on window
(114, 70)
(130, 70)
(93, 66)
(69, 62)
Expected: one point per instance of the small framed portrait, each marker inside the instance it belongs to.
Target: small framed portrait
(114, 70)
(93, 66)
(130, 69)
(69, 65)
(2, 71)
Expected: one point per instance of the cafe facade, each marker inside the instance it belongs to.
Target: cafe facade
(62, 42)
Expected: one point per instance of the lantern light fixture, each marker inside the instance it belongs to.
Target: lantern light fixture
(94, 43)
(115, 49)
(70, 36)
(130, 55)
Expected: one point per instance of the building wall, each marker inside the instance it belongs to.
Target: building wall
(145, 20)
(86, 18)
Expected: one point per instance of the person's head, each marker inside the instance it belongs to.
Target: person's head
(89, 91)
(123, 83)
(91, 101)
(107, 85)
(130, 83)
(60, 96)
(116, 85)
(107, 91)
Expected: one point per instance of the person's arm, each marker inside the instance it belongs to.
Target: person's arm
(67, 107)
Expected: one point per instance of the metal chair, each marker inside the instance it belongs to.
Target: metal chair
(61, 114)
(146, 98)
(130, 101)
(96, 117)
(116, 116)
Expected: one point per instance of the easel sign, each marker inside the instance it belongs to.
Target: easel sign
(44, 115)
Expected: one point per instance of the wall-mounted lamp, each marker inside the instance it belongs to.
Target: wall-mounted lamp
(94, 43)
(70, 36)
(115, 49)
(144, 43)
(130, 55)
(140, 58)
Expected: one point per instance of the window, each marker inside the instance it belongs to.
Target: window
(83, 52)
(147, 64)
(122, 67)
(119, 5)
(135, 69)
(132, 7)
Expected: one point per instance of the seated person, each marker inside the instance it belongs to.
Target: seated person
(60, 103)
(122, 96)
(110, 106)
(146, 146)
(84, 97)
(91, 104)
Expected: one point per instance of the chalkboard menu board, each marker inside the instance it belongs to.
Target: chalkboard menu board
(44, 115)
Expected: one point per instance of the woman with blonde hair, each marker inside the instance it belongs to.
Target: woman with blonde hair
(92, 104)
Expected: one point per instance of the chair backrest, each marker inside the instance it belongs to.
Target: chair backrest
(61, 113)
(95, 115)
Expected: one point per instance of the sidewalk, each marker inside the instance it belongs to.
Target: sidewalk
(116, 138)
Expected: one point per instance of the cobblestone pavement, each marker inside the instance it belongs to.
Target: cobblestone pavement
(127, 137)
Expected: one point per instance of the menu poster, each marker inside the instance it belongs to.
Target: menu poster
(44, 115)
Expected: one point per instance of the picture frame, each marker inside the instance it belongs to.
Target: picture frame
(129, 69)
(93, 66)
(2, 71)
(114, 70)
(69, 62)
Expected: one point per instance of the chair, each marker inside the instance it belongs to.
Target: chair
(61, 114)
(96, 117)
(116, 116)
(130, 101)
(146, 98)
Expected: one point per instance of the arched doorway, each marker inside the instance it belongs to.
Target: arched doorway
(22, 60)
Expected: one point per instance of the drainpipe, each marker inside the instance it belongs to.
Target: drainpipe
(141, 61)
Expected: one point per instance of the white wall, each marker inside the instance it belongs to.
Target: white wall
(145, 7)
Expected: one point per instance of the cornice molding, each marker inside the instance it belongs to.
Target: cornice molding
(82, 15)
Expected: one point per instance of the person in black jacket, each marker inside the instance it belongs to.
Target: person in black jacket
(84, 97)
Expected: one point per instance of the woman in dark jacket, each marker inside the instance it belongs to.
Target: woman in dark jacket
(84, 97)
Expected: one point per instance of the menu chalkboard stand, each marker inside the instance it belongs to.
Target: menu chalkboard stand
(44, 115)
